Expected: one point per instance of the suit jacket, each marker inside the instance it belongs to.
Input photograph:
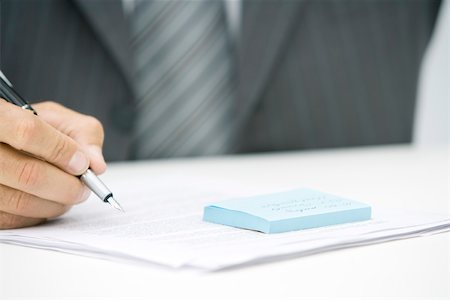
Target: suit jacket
(311, 74)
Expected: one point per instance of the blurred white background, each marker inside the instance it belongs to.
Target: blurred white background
(432, 125)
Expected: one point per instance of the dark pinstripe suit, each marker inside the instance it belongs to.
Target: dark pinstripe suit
(311, 74)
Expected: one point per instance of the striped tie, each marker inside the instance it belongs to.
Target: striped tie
(183, 68)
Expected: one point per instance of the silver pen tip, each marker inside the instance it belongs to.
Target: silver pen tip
(115, 204)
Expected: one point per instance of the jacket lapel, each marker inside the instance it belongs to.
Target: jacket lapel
(107, 20)
(264, 32)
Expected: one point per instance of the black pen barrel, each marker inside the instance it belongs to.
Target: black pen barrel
(10, 95)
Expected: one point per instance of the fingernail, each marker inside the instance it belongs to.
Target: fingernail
(78, 163)
(85, 195)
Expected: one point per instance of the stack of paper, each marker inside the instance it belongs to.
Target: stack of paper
(163, 225)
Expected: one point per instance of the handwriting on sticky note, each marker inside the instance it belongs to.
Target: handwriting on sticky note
(307, 204)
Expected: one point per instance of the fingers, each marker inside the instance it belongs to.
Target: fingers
(98, 164)
(16, 202)
(27, 132)
(36, 177)
(10, 221)
(39, 156)
(85, 130)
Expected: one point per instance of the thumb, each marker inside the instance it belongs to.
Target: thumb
(87, 131)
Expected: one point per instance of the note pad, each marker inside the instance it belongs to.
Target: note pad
(286, 211)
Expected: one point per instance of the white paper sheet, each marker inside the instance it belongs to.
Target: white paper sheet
(163, 225)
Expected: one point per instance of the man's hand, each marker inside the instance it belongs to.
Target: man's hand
(39, 156)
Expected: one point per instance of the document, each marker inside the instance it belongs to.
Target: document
(163, 225)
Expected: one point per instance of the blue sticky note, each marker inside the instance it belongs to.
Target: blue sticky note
(287, 211)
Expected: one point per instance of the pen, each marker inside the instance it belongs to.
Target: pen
(94, 183)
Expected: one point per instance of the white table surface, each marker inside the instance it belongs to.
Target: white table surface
(397, 176)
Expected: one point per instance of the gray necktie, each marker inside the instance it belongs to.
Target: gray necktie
(183, 69)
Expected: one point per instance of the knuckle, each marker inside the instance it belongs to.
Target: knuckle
(94, 123)
(61, 147)
(8, 221)
(25, 129)
(16, 200)
(29, 173)
(19, 201)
